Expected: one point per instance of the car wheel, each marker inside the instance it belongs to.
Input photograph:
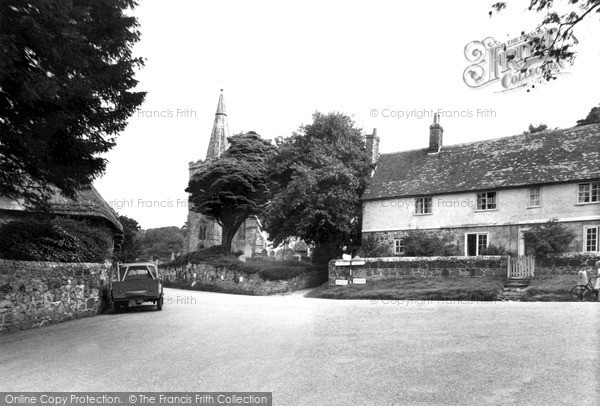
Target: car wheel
(159, 303)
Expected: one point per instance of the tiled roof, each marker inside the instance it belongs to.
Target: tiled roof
(545, 157)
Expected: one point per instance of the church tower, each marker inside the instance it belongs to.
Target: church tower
(203, 232)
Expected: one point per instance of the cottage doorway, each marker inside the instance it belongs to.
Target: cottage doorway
(522, 249)
(471, 245)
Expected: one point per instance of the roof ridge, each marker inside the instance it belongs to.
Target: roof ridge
(496, 139)
(554, 156)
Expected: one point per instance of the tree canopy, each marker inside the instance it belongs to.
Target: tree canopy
(593, 117)
(66, 91)
(564, 16)
(316, 180)
(160, 243)
(130, 248)
(233, 187)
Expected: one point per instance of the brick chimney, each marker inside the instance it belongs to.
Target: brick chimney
(372, 141)
(435, 135)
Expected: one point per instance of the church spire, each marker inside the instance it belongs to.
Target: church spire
(218, 138)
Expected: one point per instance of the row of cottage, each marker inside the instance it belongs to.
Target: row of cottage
(487, 192)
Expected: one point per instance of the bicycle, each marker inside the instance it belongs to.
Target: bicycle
(585, 293)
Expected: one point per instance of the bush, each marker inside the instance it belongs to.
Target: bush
(419, 243)
(548, 239)
(371, 248)
(496, 250)
(57, 239)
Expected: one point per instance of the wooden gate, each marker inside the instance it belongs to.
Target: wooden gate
(521, 267)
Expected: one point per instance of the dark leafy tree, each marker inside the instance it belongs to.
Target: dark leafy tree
(548, 238)
(66, 80)
(593, 117)
(130, 247)
(233, 187)
(317, 178)
(536, 128)
(160, 243)
(563, 16)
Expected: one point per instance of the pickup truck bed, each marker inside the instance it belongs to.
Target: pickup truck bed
(137, 282)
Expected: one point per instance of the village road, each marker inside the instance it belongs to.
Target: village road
(321, 352)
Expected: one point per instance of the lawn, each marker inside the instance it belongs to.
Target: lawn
(550, 288)
(417, 288)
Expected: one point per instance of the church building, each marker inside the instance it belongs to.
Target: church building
(203, 232)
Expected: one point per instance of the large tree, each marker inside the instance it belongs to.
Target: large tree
(563, 16)
(233, 187)
(66, 80)
(130, 247)
(317, 178)
(160, 243)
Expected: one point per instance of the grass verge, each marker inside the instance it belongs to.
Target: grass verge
(550, 288)
(417, 288)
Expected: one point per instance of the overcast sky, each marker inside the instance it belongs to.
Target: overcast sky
(280, 62)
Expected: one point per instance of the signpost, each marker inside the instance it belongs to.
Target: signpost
(350, 262)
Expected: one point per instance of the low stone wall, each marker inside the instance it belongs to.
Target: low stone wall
(402, 267)
(235, 281)
(566, 265)
(35, 294)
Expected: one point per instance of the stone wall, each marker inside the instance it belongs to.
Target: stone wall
(402, 267)
(35, 294)
(567, 265)
(236, 281)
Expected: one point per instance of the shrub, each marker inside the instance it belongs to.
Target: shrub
(419, 243)
(371, 248)
(548, 239)
(496, 250)
(58, 239)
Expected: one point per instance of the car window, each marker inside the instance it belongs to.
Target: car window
(138, 272)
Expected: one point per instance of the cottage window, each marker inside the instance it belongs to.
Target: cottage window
(475, 243)
(589, 192)
(590, 239)
(398, 246)
(486, 201)
(481, 242)
(534, 196)
(423, 205)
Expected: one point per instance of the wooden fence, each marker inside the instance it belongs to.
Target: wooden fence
(522, 267)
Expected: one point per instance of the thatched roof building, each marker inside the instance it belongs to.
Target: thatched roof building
(88, 205)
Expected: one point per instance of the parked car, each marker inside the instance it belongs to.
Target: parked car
(138, 283)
